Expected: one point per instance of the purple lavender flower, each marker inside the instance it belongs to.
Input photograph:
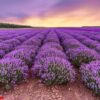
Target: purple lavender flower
(24, 54)
(82, 55)
(35, 40)
(12, 71)
(91, 75)
(50, 52)
(52, 37)
(30, 47)
(12, 42)
(90, 43)
(53, 45)
(5, 47)
(98, 48)
(2, 53)
(53, 70)
(71, 43)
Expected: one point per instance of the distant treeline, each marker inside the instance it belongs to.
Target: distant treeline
(6, 25)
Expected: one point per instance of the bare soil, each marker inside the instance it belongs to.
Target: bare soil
(33, 89)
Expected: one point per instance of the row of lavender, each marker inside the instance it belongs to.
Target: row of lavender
(90, 72)
(91, 40)
(81, 51)
(51, 64)
(14, 66)
(48, 56)
(14, 39)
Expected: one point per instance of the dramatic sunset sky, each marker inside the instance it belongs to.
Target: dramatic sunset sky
(51, 13)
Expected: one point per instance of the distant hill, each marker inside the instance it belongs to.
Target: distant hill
(7, 25)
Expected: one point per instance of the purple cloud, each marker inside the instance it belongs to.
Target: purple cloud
(25, 8)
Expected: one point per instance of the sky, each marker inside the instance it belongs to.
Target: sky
(51, 13)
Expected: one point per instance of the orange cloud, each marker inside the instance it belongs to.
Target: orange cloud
(77, 17)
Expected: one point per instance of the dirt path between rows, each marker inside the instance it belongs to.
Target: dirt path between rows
(34, 90)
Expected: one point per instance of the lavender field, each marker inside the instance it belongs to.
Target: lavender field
(54, 56)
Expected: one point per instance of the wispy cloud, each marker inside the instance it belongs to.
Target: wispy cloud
(50, 12)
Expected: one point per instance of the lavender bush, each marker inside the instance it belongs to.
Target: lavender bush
(91, 75)
(53, 45)
(12, 71)
(2, 53)
(5, 47)
(53, 70)
(24, 54)
(98, 48)
(82, 55)
(12, 42)
(50, 52)
(52, 37)
(71, 43)
(90, 43)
